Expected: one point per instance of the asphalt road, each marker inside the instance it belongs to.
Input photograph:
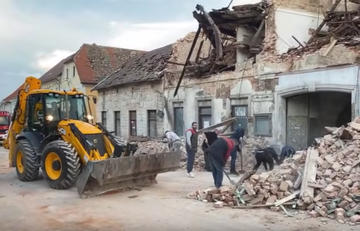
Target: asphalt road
(163, 206)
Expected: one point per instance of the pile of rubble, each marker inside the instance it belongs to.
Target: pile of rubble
(325, 179)
(151, 147)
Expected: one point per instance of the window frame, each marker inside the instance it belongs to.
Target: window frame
(104, 118)
(117, 122)
(151, 119)
(245, 117)
(269, 118)
(201, 115)
(130, 120)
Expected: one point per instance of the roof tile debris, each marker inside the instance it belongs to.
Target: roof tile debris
(149, 66)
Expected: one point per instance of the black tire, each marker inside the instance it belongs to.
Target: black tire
(27, 165)
(69, 164)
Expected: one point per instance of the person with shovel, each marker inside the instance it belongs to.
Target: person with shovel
(220, 151)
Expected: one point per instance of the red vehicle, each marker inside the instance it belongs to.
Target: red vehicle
(4, 124)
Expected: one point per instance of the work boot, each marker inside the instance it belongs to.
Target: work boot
(234, 172)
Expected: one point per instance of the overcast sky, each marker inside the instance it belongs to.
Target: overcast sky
(36, 34)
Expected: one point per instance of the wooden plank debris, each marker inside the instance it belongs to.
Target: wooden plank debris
(331, 46)
(287, 199)
(309, 173)
(315, 185)
(259, 206)
(224, 123)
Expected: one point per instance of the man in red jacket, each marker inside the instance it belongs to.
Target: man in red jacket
(191, 143)
(220, 151)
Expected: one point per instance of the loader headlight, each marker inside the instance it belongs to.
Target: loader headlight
(89, 117)
(49, 118)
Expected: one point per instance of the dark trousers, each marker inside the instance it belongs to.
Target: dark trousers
(190, 159)
(233, 160)
(217, 169)
(207, 162)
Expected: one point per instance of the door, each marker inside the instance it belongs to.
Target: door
(297, 132)
(179, 120)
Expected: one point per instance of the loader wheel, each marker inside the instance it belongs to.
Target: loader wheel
(60, 164)
(26, 160)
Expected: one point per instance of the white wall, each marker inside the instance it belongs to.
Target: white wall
(53, 85)
(70, 81)
(242, 2)
(65, 82)
(293, 23)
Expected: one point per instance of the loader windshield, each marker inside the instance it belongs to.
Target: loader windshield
(59, 107)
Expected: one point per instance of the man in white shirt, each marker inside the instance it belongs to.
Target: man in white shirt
(174, 141)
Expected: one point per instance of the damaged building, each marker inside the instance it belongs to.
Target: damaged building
(289, 81)
(131, 99)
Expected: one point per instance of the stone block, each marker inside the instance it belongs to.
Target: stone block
(355, 218)
(283, 186)
(271, 200)
(336, 166)
(330, 158)
(219, 204)
(347, 168)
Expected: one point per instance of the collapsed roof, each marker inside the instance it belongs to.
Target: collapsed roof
(149, 66)
(220, 27)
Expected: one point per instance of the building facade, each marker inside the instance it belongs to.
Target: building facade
(287, 97)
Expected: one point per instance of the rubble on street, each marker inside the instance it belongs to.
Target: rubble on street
(151, 147)
(323, 180)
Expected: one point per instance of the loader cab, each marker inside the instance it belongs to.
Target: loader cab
(35, 112)
(46, 110)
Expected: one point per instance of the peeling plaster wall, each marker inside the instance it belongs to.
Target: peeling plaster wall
(218, 89)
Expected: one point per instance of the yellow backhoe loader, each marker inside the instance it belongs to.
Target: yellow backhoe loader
(53, 131)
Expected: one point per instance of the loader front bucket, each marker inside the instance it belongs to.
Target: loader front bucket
(103, 176)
